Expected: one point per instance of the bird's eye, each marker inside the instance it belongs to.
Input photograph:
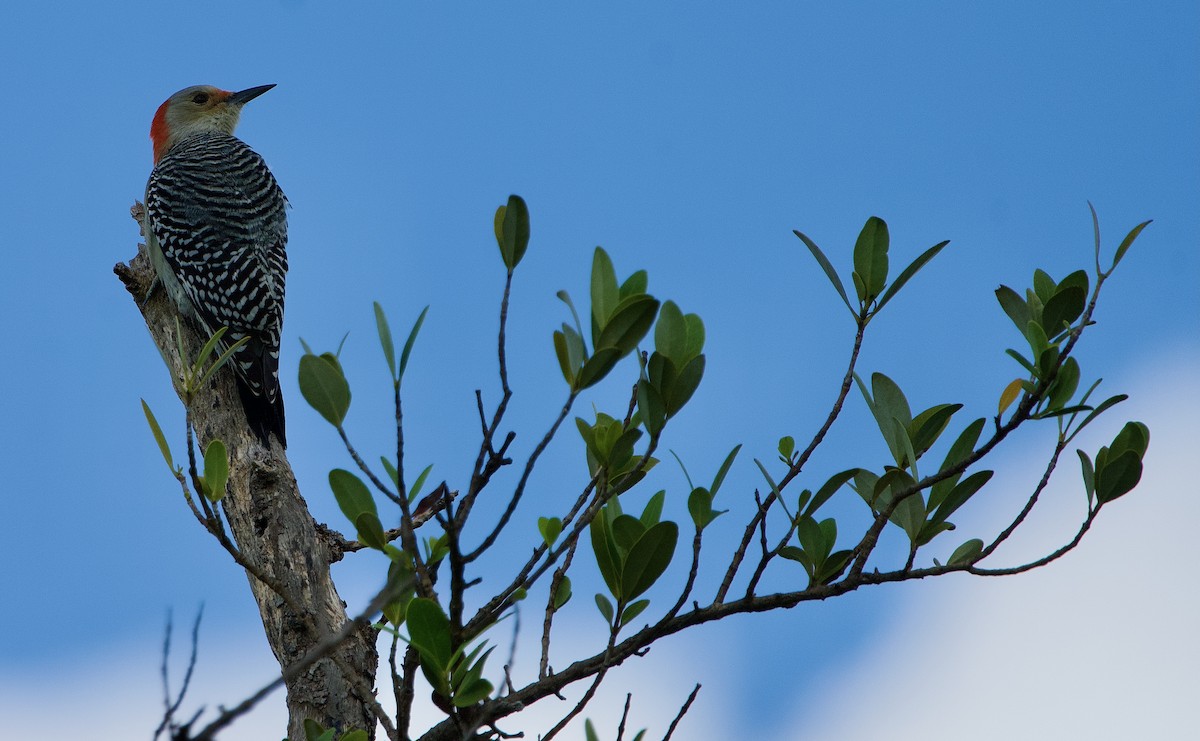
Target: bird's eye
(200, 98)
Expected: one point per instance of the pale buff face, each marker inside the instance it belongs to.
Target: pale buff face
(201, 108)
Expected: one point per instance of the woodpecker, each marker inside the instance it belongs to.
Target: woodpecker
(216, 230)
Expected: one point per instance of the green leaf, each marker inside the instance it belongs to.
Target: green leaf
(829, 488)
(513, 231)
(158, 436)
(1022, 360)
(597, 367)
(415, 490)
(370, 530)
(216, 470)
(221, 360)
(1133, 436)
(605, 293)
(670, 334)
(695, 335)
(724, 469)
(205, 351)
(962, 447)
(771, 483)
(629, 323)
(626, 531)
(802, 500)
(324, 387)
(700, 507)
(1015, 307)
(1043, 285)
(550, 528)
(909, 272)
(1100, 409)
(1066, 383)
(1118, 476)
(834, 566)
(1048, 358)
(830, 273)
(865, 484)
(652, 408)
(605, 607)
(429, 633)
(562, 594)
(653, 511)
(787, 446)
(910, 513)
(475, 691)
(605, 550)
(634, 284)
(314, 731)
(356, 735)
(960, 494)
(648, 559)
(392, 473)
(1063, 308)
(889, 401)
(1089, 475)
(563, 354)
(1079, 279)
(931, 530)
(635, 609)
(685, 385)
(412, 338)
(1127, 242)
(907, 454)
(590, 730)
(966, 553)
(871, 258)
(352, 495)
(929, 425)
(812, 539)
(385, 339)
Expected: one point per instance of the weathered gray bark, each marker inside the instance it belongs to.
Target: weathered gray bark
(273, 529)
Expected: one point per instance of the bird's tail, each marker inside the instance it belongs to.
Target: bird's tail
(257, 371)
(263, 413)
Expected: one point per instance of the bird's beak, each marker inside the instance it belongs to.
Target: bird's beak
(245, 96)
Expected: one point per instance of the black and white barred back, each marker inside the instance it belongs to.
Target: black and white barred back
(219, 219)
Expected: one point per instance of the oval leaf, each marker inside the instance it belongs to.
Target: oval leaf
(324, 387)
(648, 559)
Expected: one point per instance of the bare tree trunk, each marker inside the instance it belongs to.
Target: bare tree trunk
(272, 527)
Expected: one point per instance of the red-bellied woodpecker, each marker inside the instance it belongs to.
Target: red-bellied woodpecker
(216, 230)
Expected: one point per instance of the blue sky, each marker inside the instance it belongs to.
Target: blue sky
(687, 139)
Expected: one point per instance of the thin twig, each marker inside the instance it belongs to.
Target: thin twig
(1087, 524)
(412, 661)
(1020, 518)
(172, 707)
(682, 711)
(397, 683)
(548, 620)
(362, 466)
(525, 474)
(691, 579)
(624, 716)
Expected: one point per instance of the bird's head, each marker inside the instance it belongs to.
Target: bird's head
(195, 110)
